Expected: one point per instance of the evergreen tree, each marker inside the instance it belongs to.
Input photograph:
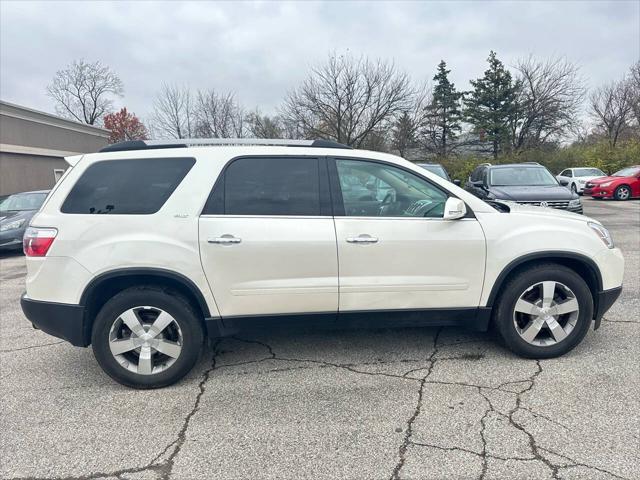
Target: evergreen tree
(492, 104)
(403, 134)
(442, 115)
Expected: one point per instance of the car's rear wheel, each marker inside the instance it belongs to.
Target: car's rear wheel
(147, 337)
(544, 311)
(623, 192)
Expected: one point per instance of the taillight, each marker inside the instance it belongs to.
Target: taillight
(37, 241)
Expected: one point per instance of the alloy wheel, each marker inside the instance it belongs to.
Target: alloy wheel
(546, 313)
(623, 193)
(145, 340)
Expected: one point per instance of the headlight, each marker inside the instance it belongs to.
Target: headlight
(12, 225)
(605, 184)
(603, 233)
(574, 203)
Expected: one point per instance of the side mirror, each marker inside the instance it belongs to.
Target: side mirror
(454, 208)
(564, 183)
(479, 184)
(457, 182)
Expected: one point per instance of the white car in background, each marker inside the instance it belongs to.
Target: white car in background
(576, 178)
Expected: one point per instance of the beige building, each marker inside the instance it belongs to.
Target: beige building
(33, 144)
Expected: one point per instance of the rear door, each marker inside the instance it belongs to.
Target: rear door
(267, 239)
(400, 254)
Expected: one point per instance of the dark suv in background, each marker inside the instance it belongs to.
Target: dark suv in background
(438, 170)
(525, 183)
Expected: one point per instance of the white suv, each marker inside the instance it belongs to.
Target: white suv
(144, 249)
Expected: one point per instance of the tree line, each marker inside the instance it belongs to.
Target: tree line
(538, 105)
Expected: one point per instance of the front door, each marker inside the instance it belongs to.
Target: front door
(395, 250)
(267, 239)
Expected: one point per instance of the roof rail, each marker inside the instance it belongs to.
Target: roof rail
(207, 142)
(531, 163)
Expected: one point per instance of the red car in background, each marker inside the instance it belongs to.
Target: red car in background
(622, 185)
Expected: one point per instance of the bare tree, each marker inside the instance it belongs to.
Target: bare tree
(549, 99)
(218, 115)
(173, 113)
(83, 91)
(348, 99)
(612, 109)
(264, 126)
(634, 85)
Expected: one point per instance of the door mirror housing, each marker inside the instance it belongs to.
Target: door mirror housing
(564, 183)
(457, 182)
(454, 208)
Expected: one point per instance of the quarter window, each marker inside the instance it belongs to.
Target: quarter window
(268, 186)
(126, 187)
(371, 189)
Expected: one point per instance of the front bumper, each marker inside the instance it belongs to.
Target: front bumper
(575, 209)
(597, 192)
(61, 320)
(604, 301)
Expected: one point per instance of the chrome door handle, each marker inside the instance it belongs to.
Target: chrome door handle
(362, 239)
(225, 240)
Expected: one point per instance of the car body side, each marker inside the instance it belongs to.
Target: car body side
(90, 247)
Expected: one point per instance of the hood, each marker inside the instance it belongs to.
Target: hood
(599, 180)
(532, 193)
(10, 215)
(545, 212)
(589, 178)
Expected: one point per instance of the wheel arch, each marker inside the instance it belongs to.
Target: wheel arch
(581, 264)
(108, 284)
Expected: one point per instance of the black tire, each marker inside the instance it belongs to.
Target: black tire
(172, 303)
(623, 192)
(512, 289)
(574, 189)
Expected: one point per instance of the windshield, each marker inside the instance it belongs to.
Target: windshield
(627, 172)
(588, 172)
(522, 176)
(437, 169)
(23, 201)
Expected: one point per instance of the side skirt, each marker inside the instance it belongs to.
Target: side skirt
(476, 319)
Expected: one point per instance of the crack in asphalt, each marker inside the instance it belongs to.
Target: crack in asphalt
(536, 450)
(164, 468)
(402, 450)
(620, 321)
(33, 346)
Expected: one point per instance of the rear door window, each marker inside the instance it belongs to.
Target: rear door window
(268, 186)
(126, 187)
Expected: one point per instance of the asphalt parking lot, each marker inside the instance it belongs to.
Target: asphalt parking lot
(382, 404)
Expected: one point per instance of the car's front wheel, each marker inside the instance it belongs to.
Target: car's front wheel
(574, 189)
(147, 337)
(544, 311)
(623, 192)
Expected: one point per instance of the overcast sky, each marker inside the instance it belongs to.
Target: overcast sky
(260, 50)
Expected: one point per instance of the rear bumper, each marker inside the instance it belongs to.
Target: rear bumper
(604, 301)
(61, 320)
